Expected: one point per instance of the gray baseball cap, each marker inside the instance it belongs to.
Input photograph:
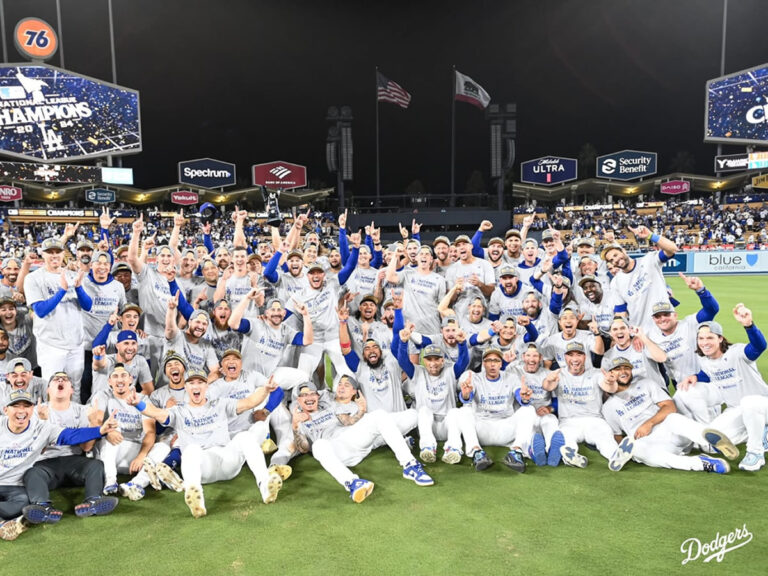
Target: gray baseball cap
(508, 270)
(20, 396)
(52, 244)
(713, 326)
(23, 362)
(588, 278)
(661, 308)
(492, 350)
(618, 362)
(432, 350)
(196, 375)
(305, 387)
(574, 347)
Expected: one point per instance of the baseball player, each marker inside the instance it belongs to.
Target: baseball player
(17, 323)
(208, 453)
(127, 348)
(579, 403)
(198, 352)
(20, 377)
(632, 343)
(342, 433)
(643, 411)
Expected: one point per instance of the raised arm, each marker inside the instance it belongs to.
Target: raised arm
(135, 261)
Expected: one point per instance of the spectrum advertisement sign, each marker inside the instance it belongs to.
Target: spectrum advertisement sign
(626, 165)
(48, 114)
(549, 170)
(207, 173)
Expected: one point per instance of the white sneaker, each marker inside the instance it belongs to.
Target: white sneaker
(622, 455)
(752, 462)
(193, 497)
(131, 491)
(150, 469)
(571, 457)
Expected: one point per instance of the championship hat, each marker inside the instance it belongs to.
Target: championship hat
(432, 350)
(20, 396)
(574, 347)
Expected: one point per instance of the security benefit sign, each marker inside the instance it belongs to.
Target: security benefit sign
(49, 114)
(549, 170)
(626, 165)
(207, 173)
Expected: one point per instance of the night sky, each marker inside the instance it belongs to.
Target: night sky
(249, 81)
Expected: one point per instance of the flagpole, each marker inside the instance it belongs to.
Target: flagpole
(378, 192)
(453, 134)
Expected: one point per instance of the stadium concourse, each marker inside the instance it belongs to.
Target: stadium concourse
(169, 352)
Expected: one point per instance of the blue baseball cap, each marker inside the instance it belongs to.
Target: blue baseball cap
(127, 335)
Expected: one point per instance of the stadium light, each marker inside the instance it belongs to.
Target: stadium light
(339, 147)
(503, 120)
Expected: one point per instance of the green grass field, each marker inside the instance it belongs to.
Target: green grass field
(546, 521)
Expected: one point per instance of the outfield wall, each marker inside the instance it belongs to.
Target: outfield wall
(723, 263)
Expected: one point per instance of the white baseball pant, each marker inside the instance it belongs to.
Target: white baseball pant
(592, 430)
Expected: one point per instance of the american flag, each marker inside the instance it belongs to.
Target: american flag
(388, 91)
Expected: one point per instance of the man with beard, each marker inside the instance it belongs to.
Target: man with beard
(235, 286)
(197, 351)
(489, 416)
(219, 334)
(579, 404)
(202, 294)
(207, 452)
(507, 298)
(495, 251)
(57, 298)
(363, 278)
(477, 276)
(20, 377)
(107, 295)
(441, 246)
(267, 343)
(379, 375)
(186, 278)
(14, 271)
(289, 282)
(677, 337)
(508, 336)
(123, 274)
(127, 355)
(343, 432)
(447, 340)
(18, 327)
(644, 412)
(22, 440)
(544, 319)
(631, 343)
(640, 283)
(365, 325)
(595, 304)
(137, 438)
(65, 465)
(154, 288)
(422, 291)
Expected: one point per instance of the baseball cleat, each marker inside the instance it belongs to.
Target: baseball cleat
(99, 506)
(41, 514)
(110, 489)
(721, 443)
(268, 446)
(428, 454)
(414, 471)
(359, 489)
(622, 455)
(538, 450)
(271, 487)
(193, 497)
(131, 491)
(150, 469)
(716, 465)
(481, 461)
(555, 444)
(168, 476)
(451, 455)
(409, 440)
(752, 462)
(282, 470)
(11, 529)
(514, 461)
(765, 439)
(571, 457)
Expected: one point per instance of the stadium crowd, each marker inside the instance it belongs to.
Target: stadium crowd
(174, 352)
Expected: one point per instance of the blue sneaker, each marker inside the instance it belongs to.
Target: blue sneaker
(557, 442)
(716, 465)
(481, 460)
(538, 450)
(622, 455)
(99, 506)
(514, 461)
(721, 443)
(41, 513)
(415, 472)
(752, 462)
(110, 489)
(359, 489)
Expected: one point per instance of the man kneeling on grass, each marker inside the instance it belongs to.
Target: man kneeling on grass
(22, 440)
(207, 453)
(340, 433)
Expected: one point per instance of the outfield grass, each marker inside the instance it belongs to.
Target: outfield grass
(546, 521)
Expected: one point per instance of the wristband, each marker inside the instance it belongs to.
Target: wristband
(141, 406)
(342, 321)
(346, 346)
(491, 333)
(655, 238)
(98, 357)
(700, 292)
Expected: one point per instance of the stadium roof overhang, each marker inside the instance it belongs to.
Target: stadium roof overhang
(600, 188)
